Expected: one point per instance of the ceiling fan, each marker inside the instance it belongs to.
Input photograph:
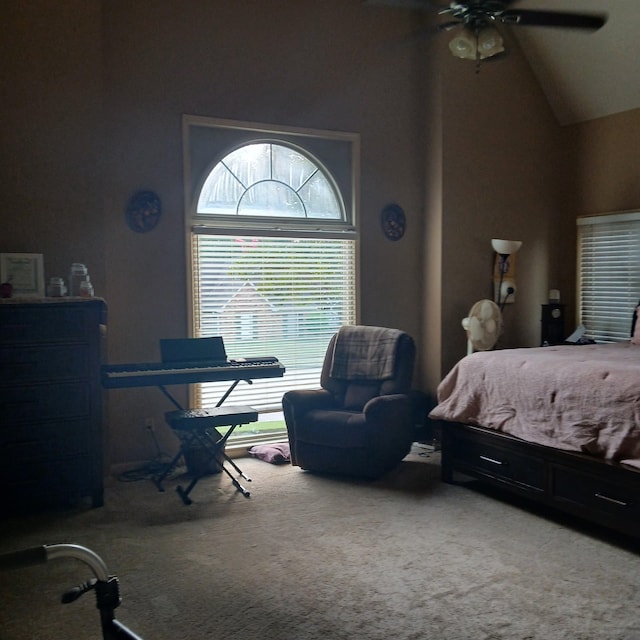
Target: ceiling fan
(476, 21)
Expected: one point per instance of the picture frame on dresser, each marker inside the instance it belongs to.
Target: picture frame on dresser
(24, 272)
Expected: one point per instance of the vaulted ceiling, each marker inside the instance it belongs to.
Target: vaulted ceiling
(586, 75)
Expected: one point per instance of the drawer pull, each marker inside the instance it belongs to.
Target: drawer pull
(492, 461)
(620, 503)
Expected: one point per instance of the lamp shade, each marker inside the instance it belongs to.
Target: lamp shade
(505, 247)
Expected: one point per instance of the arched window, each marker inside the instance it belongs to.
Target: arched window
(266, 179)
(273, 254)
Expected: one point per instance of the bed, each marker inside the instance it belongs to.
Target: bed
(559, 425)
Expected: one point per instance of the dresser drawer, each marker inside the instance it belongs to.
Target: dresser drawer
(44, 441)
(598, 495)
(31, 364)
(52, 323)
(501, 463)
(37, 403)
(46, 483)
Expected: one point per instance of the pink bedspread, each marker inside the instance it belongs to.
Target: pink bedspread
(578, 398)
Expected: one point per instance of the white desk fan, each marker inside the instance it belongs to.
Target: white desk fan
(483, 326)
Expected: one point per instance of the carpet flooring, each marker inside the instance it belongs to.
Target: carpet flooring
(310, 557)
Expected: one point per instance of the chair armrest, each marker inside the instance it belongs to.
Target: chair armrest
(390, 413)
(303, 400)
(387, 402)
(295, 404)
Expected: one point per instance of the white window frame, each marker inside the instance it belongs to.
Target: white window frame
(227, 135)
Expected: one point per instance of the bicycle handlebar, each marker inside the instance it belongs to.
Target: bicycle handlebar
(106, 587)
(93, 560)
(40, 555)
(23, 558)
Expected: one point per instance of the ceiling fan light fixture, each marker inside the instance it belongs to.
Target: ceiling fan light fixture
(476, 44)
(479, 38)
(464, 45)
(490, 42)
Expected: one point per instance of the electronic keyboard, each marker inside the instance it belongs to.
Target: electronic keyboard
(148, 374)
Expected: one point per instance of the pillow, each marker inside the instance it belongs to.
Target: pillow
(277, 453)
(635, 338)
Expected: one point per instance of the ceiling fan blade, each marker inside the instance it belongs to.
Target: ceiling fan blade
(447, 26)
(418, 5)
(552, 19)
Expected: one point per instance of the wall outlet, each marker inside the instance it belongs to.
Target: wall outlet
(148, 423)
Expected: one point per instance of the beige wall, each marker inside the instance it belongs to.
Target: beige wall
(93, 95)
(504, 176)
(51, 164)
(607, 157)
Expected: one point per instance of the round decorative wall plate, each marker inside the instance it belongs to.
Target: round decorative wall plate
(143, 211)
(393, 222)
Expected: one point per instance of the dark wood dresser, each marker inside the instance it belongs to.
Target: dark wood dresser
(50, 402)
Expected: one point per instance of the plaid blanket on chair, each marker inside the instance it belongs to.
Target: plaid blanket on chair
(364, 353)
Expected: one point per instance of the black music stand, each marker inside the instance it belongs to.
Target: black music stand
(197, 428)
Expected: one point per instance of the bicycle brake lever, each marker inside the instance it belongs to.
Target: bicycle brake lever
(74, 593)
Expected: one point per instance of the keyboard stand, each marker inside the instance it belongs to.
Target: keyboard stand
(196, 428)
(178, 406)
(173, 401)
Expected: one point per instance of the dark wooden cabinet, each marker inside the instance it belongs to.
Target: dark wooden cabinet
(50, 402)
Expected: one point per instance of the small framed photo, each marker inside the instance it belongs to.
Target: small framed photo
(25, 273)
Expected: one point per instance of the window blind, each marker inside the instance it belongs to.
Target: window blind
(271, 295)
(608, 274)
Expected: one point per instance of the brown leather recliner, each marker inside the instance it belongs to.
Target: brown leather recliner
(357, 424)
